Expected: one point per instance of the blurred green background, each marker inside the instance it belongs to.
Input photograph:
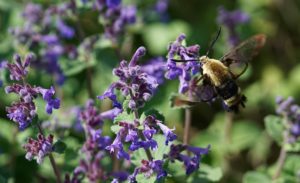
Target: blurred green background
(239, 142)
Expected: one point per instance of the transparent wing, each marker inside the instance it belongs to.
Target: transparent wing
(237, 59)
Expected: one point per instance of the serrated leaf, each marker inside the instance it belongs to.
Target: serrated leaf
(124, 116)
(274, 127)
(115, 128)
(210, 173)
(142, 178)
(76, 66)
(59, 147)
(255, 177)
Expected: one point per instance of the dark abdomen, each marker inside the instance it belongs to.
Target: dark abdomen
(231, 95)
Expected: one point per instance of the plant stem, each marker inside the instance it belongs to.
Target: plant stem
(52, 161)
(187, 126)
(228, 126)
(141, 135)
(282, 156)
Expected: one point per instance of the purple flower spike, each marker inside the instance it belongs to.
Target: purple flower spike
(290, 110)
(141, 51)
(19, 70)
(231, 20)
(39, 148)
(132, 81)
(22, 113)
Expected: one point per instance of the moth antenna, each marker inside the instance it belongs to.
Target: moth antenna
(176, 60)
(213, 42)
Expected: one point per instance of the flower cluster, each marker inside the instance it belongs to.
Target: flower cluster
(148, 168)
(132, 83)
(130, 133)
(135, 132)
(189, 66)
(37, 34)
(93, 150)
(230, 20)
(24, 110)
(38, 149)
(291, 112)
(115, 17)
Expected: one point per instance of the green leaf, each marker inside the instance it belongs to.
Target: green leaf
(59, 147)
(274, 127)
(124, 116)
(210, 173)
(244, 135)
(115, 128)
(142, 178)
(255, 177)
(89, 23)
(76, 66)
(291, 167)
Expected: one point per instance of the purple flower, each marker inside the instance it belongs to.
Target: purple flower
(184, 71)
(65, 30)
(117, 147)
(170, 136)
(120, 176)
(191, 163)
(39, 148)
(111, 114)
(231, 20)
(48, 97)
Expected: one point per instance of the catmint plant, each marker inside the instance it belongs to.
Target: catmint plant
(93, 150)
(287, 132)
(24, 111)
(137, 131)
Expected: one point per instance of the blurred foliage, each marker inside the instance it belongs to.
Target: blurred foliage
(240, 145)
